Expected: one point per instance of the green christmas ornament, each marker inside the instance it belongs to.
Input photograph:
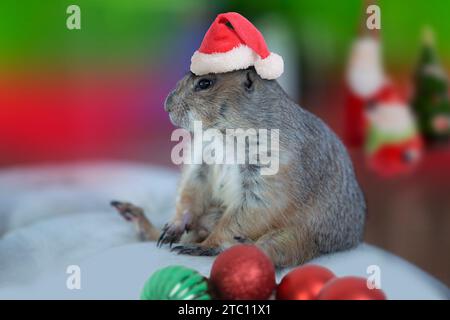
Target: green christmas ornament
(176, 283)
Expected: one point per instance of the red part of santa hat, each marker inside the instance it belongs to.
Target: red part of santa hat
(233, 43)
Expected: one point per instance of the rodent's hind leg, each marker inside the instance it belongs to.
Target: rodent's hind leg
(289, 246)
(135, 214)
(196, 250)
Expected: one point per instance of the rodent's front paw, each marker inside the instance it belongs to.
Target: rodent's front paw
(171, 233)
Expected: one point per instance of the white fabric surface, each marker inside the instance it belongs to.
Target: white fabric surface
(55, 216)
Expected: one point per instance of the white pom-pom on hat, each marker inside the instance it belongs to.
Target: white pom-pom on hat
(271, 67)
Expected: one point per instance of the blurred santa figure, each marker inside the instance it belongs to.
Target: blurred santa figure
(393, 143)
(365, 79)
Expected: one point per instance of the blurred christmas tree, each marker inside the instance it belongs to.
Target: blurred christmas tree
(431, 101)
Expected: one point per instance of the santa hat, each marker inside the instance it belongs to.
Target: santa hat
(233, 43)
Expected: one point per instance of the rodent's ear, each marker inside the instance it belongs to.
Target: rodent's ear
(250, 78)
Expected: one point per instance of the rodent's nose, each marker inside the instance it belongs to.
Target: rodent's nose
(169, 102)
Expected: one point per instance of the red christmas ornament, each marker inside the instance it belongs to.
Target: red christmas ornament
(303, 283)
(243, 272)
(350, 288)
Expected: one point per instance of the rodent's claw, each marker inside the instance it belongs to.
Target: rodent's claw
(161, 237)
(196, 250)
(170, 233)
(242, 239)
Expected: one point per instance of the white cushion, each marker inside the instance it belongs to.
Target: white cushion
(53, 217)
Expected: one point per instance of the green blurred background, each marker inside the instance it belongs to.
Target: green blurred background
(140, 31)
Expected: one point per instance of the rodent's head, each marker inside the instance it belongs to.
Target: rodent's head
(220, 101)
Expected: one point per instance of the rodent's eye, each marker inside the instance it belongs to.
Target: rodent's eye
(203, 84)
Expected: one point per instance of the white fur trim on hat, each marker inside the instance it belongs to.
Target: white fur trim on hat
(237, 58)
(271, 67)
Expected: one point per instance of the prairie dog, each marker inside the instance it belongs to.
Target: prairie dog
(311, 206)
